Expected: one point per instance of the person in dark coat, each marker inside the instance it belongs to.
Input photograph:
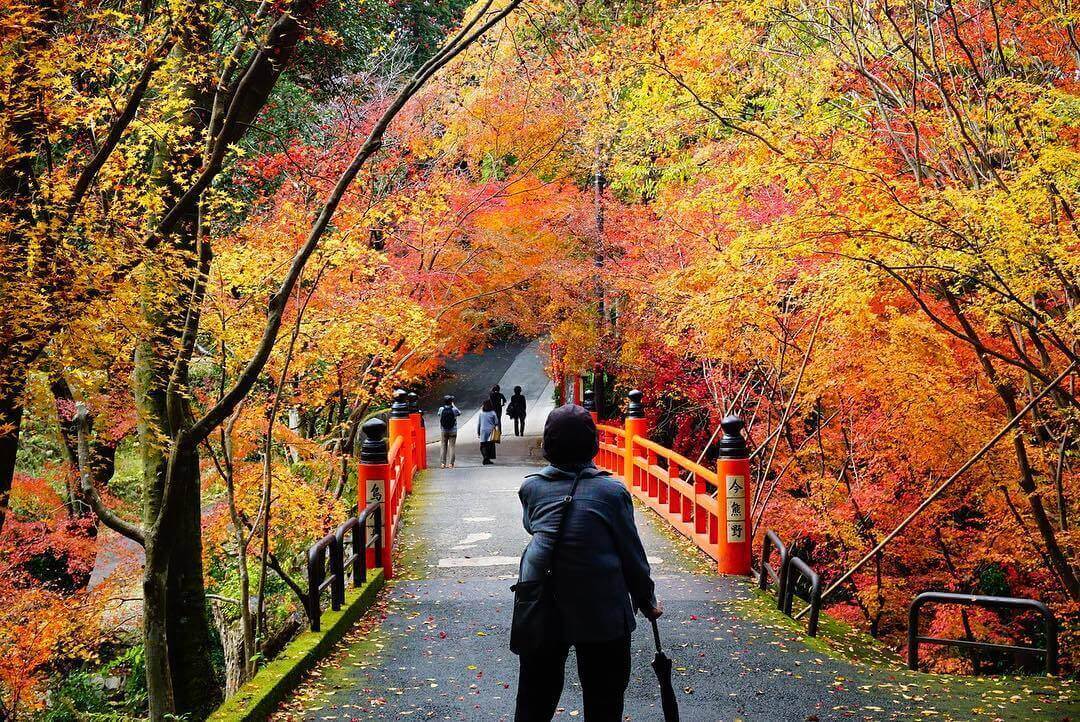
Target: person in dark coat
(516, 411)
(498, 401)
(600, 572)
(448, 415)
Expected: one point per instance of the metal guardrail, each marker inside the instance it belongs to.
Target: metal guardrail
(767, 574)
(803, 569)
(969, 600)
(791, 565)
(785, 576)
(331, 548)
(319, 579)
(359, 543)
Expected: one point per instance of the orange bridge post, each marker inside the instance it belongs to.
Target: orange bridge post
(589, 405)
(373, 484)
(636, 425)
(733, 482)
(401, 426)
(419, 432)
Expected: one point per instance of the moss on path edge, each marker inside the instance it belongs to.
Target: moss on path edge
(260, 696)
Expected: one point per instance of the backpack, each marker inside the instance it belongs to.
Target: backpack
(447, 418)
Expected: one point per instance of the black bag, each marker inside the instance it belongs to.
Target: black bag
(536, 617)
(447, 418)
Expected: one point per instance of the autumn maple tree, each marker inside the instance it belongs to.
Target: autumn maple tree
(131, 217)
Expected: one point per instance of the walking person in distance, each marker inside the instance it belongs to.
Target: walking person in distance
(448, 414)
(498, 401)
(582, 576)
(516, 411)
(487, 425)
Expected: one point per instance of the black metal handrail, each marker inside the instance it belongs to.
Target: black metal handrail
(767, 573)
(795, 564)
(974, 600)
(331, 548)
(359, 543)
(319, 579)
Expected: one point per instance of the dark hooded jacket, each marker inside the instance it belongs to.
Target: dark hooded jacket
(600, 571)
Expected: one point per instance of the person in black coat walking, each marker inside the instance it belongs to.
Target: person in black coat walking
(600, 573)
(498, 401)
(516, 411)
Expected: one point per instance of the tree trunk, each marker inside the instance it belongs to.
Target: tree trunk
(232, 645)
(193, 688)
(196, 687)
(102, 457)
(161, 382)
(11, 412)
(599, 183)
(237, 641)
(23, 131)
(155, 639)
(170, 305)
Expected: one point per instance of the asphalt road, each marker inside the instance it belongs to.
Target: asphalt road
(469, 378)
(440, 650)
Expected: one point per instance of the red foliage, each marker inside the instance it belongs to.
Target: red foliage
(57, 553)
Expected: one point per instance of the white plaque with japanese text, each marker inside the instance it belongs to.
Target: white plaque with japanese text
(735, 502)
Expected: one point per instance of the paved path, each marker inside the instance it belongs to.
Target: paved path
(438, 650)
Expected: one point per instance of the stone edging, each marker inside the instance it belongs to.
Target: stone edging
(257, 699)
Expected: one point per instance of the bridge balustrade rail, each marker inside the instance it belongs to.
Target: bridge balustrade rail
(797, 566)
(679, 490)
(400, 467)
(612, 443)
(357, 526)
(320, 578)
(709, 506)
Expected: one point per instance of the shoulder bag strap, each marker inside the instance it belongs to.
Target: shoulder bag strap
(564, 507)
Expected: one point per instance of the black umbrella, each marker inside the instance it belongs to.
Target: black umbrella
(662, 666)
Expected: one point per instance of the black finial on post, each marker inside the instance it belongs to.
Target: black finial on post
(732, 444)
(587, 401)
(414, 402)
(400, 408)
(635, 409)
(374, 449)
(375, 240)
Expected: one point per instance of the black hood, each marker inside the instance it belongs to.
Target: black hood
(570, 436)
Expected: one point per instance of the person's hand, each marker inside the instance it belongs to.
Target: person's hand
(654, 613)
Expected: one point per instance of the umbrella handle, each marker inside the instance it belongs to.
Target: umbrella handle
(656, 634)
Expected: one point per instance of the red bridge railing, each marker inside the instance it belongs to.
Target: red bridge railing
(708, 506)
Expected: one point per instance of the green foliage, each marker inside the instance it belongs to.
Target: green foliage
(359, 30)
(992, 580)
(39, 446)
(289, 114)
(126, 483)
(82, 694)
(77, 693)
